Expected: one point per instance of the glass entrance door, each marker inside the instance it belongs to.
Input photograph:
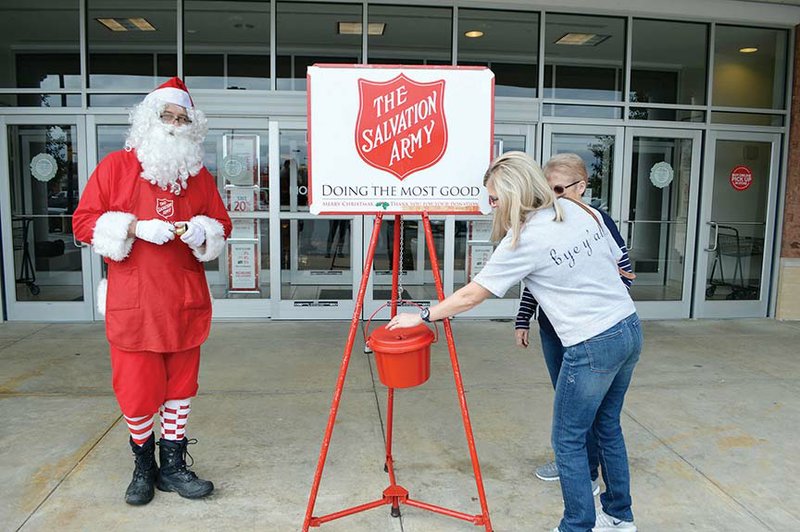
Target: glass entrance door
(736, 225)
(659, 198)
(47, 273)
(600, 147)
(317, 259)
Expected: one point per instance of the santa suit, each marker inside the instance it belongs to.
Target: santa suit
(157, 297)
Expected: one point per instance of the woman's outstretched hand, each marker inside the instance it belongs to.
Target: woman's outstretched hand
(404, 320)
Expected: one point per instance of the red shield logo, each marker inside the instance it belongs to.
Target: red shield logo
(165, 208)
(401, 125)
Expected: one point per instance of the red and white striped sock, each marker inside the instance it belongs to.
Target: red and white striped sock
(141, 428)
(174, 414)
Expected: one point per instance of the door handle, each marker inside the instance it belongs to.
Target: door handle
(715, 226)
(631, 232)
(78, 243)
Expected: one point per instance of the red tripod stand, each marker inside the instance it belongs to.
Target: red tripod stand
(394, 494)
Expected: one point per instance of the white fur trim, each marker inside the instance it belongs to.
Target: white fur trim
(102, 291)
(172, 95)
(110, 238)
(215, 238)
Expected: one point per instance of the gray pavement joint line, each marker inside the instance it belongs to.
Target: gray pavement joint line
(697, 470)
(18, 340)
(68, 473)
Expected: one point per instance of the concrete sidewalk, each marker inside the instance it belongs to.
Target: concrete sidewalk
(711, 423)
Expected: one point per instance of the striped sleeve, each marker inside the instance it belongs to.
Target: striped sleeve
(527, 307)
(624, 263)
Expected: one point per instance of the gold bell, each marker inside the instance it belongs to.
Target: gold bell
(180, 229)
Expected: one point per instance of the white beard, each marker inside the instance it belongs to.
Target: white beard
(169, 154)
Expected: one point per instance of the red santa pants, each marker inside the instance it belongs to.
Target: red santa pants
(144, 380)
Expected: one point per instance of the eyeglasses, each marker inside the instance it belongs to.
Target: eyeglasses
(560, 189)
(493, 201)
(181, 120)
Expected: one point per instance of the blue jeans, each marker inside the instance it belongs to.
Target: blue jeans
(594, 377)
(553, 357)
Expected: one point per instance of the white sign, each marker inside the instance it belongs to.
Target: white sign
(244, 229)
(240, 161)
(44, 167)
(399, 139)
(243, 266)
(661, 174)
(477, 257)
(242, 199)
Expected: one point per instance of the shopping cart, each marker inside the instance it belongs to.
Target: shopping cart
(730, 244)
(20, 232)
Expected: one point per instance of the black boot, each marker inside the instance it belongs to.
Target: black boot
(174, 474)
(140, 490)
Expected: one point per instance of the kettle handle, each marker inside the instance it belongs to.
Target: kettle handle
(366, 328)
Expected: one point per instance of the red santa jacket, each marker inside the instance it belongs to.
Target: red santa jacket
(157, 296)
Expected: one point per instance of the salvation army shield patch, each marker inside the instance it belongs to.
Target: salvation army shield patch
(165, 208)
(401, 126)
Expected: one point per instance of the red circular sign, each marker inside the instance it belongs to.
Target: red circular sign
(741, 177)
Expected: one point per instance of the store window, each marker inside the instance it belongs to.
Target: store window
(226, 44)
(131, 47)
(50, 61)
(410, 35)
(584, 57)
(309, 33)
(505, 41)
(749, 67)
(669, 62)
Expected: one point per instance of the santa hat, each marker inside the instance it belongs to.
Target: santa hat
(173, 91)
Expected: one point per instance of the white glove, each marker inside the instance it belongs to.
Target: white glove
(155, 231)
(194, 236)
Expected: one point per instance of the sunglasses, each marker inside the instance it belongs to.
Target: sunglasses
(560, 189)
(493, 201)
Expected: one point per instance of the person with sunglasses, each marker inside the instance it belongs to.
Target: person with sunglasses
(568, 261)
(566, 173)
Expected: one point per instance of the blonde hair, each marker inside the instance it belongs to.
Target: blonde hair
(521, 189)
(569, 164)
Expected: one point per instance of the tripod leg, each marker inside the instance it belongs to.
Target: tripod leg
(337, 395)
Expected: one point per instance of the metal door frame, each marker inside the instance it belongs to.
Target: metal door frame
(292, 309)
(735, 308)
(657, 309)
(44, 310)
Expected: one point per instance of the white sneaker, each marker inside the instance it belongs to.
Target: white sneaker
(595, 488)
(606, 523)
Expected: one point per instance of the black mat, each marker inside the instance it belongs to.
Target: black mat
(341, 293)
(335, 293)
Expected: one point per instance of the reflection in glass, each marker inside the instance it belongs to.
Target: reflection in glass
(432, 28)
(309, 33)
(316, 259)
(597, 151)
(668, 115)
(472, 244)
(109, 139)
(585, 57)
(658, 216)
(238, 159)
(509, 46)
(739, 210)
(294, 171)
(417, 277)
(755, 79)
(40, 46)
(668, 62)
(44, 194)
(226, 44)
(131, 59)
